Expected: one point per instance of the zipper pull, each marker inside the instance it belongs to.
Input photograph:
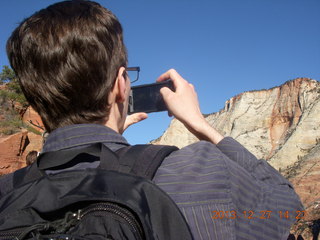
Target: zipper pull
(78, 214)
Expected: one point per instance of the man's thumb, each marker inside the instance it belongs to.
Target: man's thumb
(166, 93)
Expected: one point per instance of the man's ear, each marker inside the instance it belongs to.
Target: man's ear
(121, 85)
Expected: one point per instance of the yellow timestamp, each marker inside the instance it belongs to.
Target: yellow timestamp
(264, 214)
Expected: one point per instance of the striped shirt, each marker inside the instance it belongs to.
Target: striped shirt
(223, 191)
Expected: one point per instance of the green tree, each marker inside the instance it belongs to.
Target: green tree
(7, 75)
(10, 95)
(13, 93)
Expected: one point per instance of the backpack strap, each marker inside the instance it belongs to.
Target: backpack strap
(55, 159)
(141, 160)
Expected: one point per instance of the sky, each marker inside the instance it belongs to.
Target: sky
(223, 47)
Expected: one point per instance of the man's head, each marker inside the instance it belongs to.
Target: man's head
(67, 58)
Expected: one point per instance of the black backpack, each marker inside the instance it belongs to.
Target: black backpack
(117, 200)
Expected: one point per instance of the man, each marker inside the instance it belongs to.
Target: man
(71, 63)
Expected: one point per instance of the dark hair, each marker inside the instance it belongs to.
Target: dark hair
(31, 157)
(66, 58)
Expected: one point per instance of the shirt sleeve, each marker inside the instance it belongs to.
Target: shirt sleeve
(267, 199)
(259, 168)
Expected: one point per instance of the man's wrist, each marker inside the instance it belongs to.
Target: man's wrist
(204, 131)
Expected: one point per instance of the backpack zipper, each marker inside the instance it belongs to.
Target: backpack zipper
(16, 233)
(114, 209)
(74, 218)
(10, 234)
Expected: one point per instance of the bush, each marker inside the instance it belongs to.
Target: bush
(31, 129)
(11, 124)
(11, 101)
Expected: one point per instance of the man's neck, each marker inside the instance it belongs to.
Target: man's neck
(114, 121)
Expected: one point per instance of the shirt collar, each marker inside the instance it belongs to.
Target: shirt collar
(80, 135)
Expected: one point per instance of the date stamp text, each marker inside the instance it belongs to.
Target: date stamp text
(265, 214)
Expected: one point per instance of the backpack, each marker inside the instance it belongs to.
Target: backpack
(116, 200)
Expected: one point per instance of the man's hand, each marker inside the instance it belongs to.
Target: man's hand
(134, 118)
(183, 104)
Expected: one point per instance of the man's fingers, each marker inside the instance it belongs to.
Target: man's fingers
(174, 76)
(167, 75)
(134, 118)
(137, 117)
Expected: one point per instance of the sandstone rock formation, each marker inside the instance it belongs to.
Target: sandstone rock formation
(305, 176)
(14, 148)
(32, 117)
